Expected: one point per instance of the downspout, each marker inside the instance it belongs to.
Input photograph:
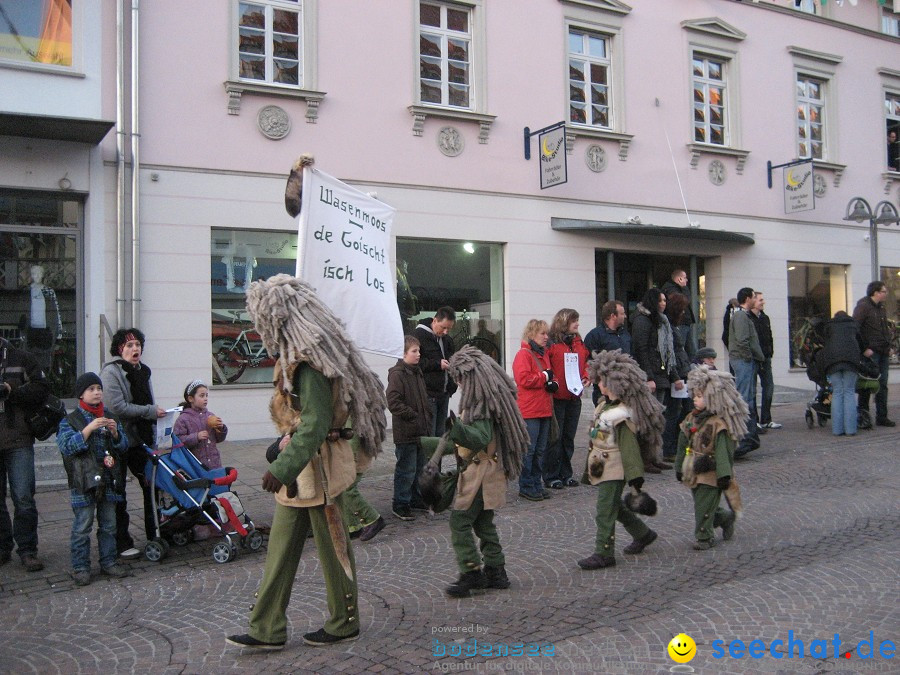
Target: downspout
(120, 163)
(135, 171)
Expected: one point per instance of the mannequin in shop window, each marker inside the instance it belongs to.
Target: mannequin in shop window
(44, 325)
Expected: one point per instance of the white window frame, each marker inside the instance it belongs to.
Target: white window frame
(809, 104)
(891, 117)
(890, 22)
(269, 7)
(307, 75)
(589, 60)
(78, 49)
(477, 111)
(446, 34)
(822, 67)
(704, 82)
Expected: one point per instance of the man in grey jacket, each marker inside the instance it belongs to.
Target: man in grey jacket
(745, 355)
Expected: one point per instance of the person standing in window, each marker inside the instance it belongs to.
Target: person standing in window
(568, 361)
(871, 316)
(128, 394)
(893, 151)
(436, 348)
(536, 385)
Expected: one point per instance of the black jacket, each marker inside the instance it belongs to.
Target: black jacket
(843, 345)
(764, 332)
(408, 403)
(671, 287)
(28, 389)
(872, 320)
(646, 351)
(437, 382)
(602, 339)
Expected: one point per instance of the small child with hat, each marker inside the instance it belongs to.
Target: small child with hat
(91, 444)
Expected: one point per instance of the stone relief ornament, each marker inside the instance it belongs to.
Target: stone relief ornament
(595, 158)
(819, 185)
(716, 172)
(450, 141)
(273, 122)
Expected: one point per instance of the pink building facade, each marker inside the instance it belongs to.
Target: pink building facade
(671, 110)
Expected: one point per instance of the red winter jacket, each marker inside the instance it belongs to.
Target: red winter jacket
(533, 400)
(556, 353)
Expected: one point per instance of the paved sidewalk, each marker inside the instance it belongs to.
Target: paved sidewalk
(815, 553)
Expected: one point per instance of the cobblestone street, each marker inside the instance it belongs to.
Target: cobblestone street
(815, 553)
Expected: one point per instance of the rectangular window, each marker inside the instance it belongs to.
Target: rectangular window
(892, 129)
(891, 278)
(808, 6)
(445, 55)
(238, 257)
(708, 81)
(36, 32)
(269, 41)
(815, 292)
(810, 117)
(467, 276)
(890, 22)
(40, 287)
(589, 79)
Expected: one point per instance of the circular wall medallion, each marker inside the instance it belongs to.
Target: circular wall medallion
(819, 185)
(716, 172)
(273, 122)
(595, 158)
(450, 141)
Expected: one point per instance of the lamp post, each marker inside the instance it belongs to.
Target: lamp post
(859, 210)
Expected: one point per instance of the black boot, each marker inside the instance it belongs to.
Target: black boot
(496, 576)
(474, 580)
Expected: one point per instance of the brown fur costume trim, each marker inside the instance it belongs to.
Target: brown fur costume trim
(721, 397)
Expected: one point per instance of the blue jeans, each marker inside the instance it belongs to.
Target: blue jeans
(410, 460)
(439, 407)
(17, 466)
(530, 478)
(767, 385)
(745, 381)
(106, 535)
(557, 463)
(883, 362)
(843, 401)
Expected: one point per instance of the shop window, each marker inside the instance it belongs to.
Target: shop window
(467, 276)
(815, 292)
(36, 32)
(238, 257)
(891, 278)
(39, 285)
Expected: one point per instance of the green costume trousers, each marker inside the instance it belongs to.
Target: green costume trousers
(609, 510)
(708, 515)
(356, 510)
(479, 520)
(290, 525)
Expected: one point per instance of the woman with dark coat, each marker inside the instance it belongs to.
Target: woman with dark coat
(656, 350)
(839, 360)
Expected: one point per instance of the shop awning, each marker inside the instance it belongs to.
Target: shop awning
(607, 227)
(53, 128)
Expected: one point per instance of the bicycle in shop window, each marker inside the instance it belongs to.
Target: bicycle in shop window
(236, 346)
(462, 335)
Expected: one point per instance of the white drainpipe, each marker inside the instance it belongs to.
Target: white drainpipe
(135, 171)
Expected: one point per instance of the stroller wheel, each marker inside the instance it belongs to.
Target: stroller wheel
(156, 550)
(254, 540)
(182, 538)
(224, 552)
(809, 419)
(822, 420)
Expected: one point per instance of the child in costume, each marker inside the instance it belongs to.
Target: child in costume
(627, 416)
(705, 459)
(489, 438)
(92, 443)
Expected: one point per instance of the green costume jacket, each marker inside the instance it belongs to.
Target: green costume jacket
(614, 451)
(308, 454)
(704, 434)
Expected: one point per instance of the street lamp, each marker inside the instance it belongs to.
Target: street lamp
(858, 210)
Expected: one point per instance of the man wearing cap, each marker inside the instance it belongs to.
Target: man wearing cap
(22, 386)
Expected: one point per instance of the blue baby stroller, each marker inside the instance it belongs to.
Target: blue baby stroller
(187, 493)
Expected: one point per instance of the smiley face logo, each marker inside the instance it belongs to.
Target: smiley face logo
(682, 648)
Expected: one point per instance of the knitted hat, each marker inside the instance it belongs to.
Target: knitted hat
(84, 381)
(705, 353)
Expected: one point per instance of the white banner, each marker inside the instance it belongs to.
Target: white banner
(344, 244)
(798, 188)
(553, 157)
